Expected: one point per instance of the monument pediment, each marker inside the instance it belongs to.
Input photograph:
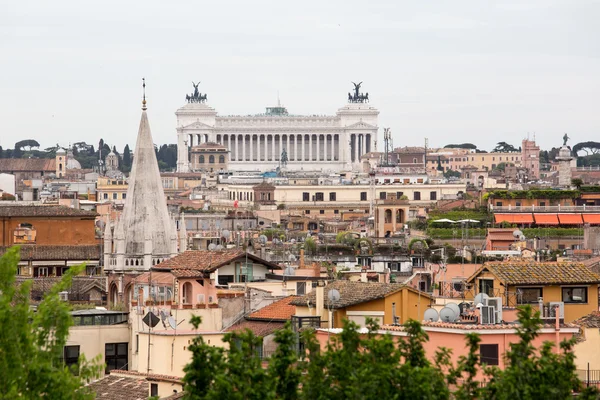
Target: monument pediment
(197, 125)
(361, 125)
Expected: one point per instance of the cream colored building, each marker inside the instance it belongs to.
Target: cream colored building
(111, 189)
(100, 333)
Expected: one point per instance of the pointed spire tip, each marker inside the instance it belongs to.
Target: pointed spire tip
(144, 108)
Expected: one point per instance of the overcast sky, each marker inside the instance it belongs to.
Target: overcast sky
(452, 71)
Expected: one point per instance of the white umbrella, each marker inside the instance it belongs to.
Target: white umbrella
(444, 220)
(469, 220)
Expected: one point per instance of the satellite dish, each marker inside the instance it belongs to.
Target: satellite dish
(454, 307)
(293, 241)
(448, 315)
(263, 239)
(226, 233)
(522, 237)
(275, 241)
(219, 247)
(480, 298)
(212, 246)
(289, 271)
(333, 295)
(172, 322)
(431, 314)
(292, 257)
(163, 315)
(100, 224)
(517, 233)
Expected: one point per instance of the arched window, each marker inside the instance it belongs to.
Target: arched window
(388, 216)
(414, 160)
(187, 293)
(222, 159)
(211, 159)
(201, 160)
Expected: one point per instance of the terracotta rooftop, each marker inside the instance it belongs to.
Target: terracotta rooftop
(27, 164)
(352, 293)
(281, 310)
(162, 278)
(121, 387)
(43, 211)
(72, 253)
(80, 284)
(259, 328)
(526, 273)
(592, 320)
(194, 263)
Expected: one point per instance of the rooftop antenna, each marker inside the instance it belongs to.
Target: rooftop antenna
(278, 101)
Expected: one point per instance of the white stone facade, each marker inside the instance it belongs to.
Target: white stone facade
(255, 143)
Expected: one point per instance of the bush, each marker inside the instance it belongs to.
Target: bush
(448, 233)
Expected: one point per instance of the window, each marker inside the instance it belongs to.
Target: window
(319, 196)
(321, 212)
(211, 159)
(115, 356)
(488, 354)
(363, 196)
(528, 295)
(306, 211)
(486, 286)
(332, 196)
(221, 159)
(417, 195)
(498, 204)
(382, 195)
(71, 356)
(114, 196)
(201, 159)
(305, 196)
(336, 211)
(518, 203)
(432, 195)
(399, 194)
(124, 196)
(154, 390)
(574, 294)
(300, 288)
(105, 196)
(542, 204)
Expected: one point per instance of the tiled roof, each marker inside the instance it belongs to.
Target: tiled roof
(281, 310)
(259, 328)
(27, 164)
(44, 253)
(264, 185)
(195, 263)
(352, 293)
(43, 211)
(80, 284)
(119, 387)
(592, 320)
(528, 273)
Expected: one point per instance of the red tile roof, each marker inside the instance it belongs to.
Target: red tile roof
(57, 252)
(195, 263)
(469, 327)
(43, 211)
(538, 273)
(259, 328)
(119, 387)
(27, 165)
(281, 310)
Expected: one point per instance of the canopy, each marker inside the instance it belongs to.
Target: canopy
(593, 219)
(444, 220)
(546, 219)
(514, 218)
(468, 220)
(570, 219)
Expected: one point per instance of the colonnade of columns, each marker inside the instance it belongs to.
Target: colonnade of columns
(266, 147)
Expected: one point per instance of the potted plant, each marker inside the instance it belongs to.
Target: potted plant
(213, 305)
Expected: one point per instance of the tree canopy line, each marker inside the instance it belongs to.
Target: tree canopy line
(88, 156)
(353, 365)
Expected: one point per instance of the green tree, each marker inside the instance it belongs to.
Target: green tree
(588, 147)
(503, 147)
(577, 182)
(31, 343)
(26, 144)
(461, 146)
(310, 246)
(451, 174)
(126, 162)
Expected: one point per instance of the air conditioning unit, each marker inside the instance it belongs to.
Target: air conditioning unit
(552, 309)
(488, 315)
(496, 302)
(64, 296)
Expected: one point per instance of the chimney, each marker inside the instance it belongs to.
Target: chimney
(363, 276)
(319, 291)
(316, 270)
(301, 265)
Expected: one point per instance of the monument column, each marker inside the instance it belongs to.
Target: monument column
(318, 145)
(251, 149)
(310, 147)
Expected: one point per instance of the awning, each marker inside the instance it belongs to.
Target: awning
(593, 219)
(546, 219)
(514, 218)
(570, 219)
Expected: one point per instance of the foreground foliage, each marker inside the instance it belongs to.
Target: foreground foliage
(31, 343)
(358, 365)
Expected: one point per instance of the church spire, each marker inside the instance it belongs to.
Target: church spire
(144, 108)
